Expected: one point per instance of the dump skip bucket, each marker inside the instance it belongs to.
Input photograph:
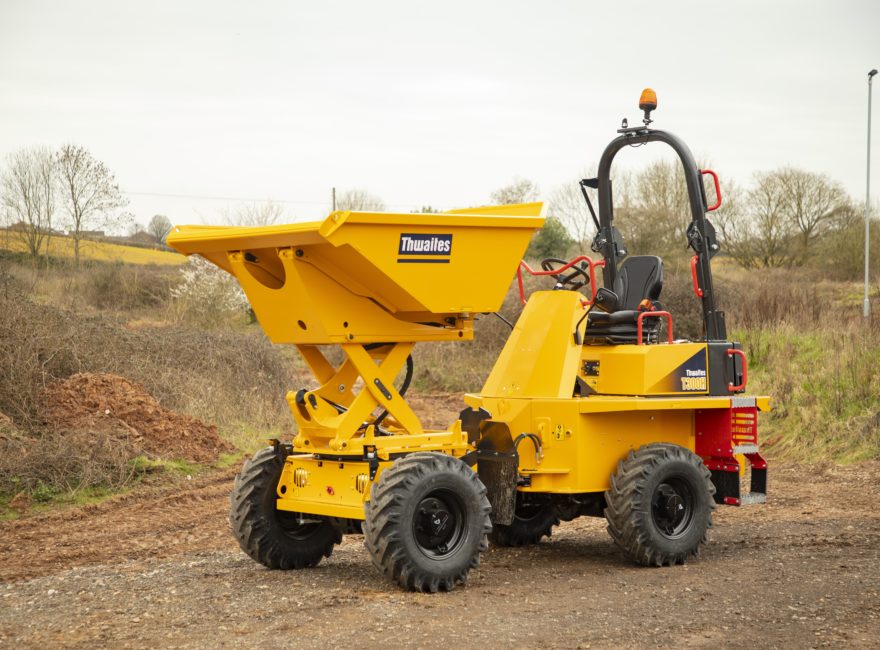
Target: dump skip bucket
(365, 277)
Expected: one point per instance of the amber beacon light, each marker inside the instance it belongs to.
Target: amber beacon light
(648, 103)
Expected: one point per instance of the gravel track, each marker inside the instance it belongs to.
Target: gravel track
(158, 567)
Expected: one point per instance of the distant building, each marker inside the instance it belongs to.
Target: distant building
(88, 234)
(24, 226)
(142, 237)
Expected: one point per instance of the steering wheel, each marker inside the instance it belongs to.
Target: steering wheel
(569, 279)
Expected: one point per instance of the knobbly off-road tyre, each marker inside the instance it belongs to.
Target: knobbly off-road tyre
(427, 522)
(659, 507)
(275, 538)
(531, 523)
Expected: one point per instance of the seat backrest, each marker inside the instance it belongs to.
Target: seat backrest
(639, 277)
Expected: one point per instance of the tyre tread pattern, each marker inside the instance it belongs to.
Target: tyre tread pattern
(627, 495)
(384, 513)
(258, 533)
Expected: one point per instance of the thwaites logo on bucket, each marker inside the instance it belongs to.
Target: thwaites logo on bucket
(424, 249)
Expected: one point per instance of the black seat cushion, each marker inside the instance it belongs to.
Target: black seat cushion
(620, 327)
(604, 319)
(638, 278)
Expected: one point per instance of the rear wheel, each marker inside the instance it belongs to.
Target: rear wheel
(531, 522)
(659, 507)
(427, 521)
(275, 538)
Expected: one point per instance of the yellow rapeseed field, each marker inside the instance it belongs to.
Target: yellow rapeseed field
(61, 246)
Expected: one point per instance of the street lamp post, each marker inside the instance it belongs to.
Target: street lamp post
(867, 305)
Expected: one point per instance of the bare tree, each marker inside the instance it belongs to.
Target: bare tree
(815, 204)
(28, 192)
(659, 211)
(159, 227)
(736, 228)
(566, 204)
(359, 200)
(519, 190)
(133, 228)
(771, 235)
(264, 213)
(124, 222)
(780, 220)
(88, 191)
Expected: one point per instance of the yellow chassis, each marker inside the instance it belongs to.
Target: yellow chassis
(582, 439)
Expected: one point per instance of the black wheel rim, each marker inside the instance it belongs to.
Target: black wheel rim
(439, 524)
(672, 507)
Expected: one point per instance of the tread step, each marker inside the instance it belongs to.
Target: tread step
(752, 498)
(745, 449)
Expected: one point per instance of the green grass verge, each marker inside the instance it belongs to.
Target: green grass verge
(825, 387)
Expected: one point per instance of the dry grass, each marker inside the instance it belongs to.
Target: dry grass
(94, 287)
(221, 377)
(807, 347)
(234, 379)
(44, 466)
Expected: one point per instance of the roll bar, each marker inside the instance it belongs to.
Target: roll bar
(701, 233)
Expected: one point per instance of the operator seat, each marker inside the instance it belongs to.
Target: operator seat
(639, 277)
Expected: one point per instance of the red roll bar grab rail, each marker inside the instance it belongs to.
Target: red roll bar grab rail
(697, 290)
(717, 189)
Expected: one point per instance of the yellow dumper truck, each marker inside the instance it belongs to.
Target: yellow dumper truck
(592, 408)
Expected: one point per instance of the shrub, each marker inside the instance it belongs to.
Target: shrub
(222, 377)
(51, 464)
(124, 287)
(552, 240)
(208, 295)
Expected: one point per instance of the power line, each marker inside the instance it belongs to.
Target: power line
(205, 197)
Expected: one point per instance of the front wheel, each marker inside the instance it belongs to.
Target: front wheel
(659, 506)
(427, 521)
(275, 538)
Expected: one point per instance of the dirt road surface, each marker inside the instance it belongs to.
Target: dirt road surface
(158, 568)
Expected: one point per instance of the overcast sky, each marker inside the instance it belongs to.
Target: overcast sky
(427, 103)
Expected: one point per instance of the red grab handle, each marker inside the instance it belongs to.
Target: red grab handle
(697, 290)
(742, 355)
(646, 314)
(717, 189)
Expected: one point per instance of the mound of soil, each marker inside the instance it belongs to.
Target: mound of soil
(113, 404)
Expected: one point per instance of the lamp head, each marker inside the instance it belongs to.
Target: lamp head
(872, 73)
(648, 103)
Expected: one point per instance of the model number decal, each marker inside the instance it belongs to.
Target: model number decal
(694, 380)
(691, 376)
